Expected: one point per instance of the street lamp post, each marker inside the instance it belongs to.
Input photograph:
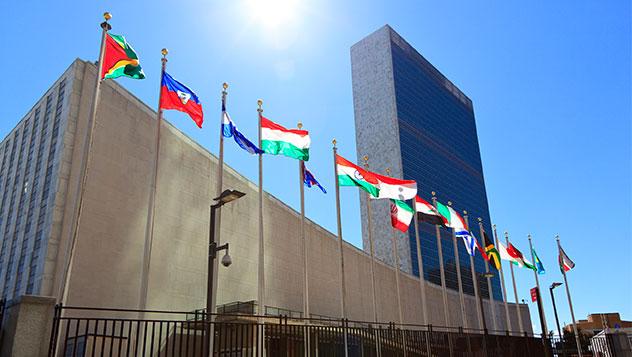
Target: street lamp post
(557, 321)
(480, 301)
(225, 197)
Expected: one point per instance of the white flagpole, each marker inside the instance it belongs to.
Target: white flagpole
(513, 280)
(396, 266)
(489, 279)
(343, 302)
(474, 278)
(371, 245)
(151, 204)
(446, 313)
(420, 263)
(85, 161)
(537, 285)
(570, 302)
(301, 173)
(218, 191)
(260, 261)
(458, 276)
(502, 283)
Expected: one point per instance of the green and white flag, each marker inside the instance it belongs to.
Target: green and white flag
(401, 215)
(350, 174)
(276, 140)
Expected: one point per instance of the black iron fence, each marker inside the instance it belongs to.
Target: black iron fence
(79, 331)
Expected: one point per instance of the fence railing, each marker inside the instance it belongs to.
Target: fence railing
(81, 331)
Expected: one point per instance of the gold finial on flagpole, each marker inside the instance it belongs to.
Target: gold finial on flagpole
(299, 125)
(225, 85)
(449, 203)
(260, 103)
(494, 226)
(105, 25)
(433, 193)
(465, 212)
(334, 142)
(365, 158)
(388, 171)
(164, 52)
(557, 237)
(480, 219)
(506, 234)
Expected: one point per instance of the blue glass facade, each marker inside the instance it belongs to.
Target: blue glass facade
(437, 146)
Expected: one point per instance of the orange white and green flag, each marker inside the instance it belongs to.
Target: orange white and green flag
(120, 59)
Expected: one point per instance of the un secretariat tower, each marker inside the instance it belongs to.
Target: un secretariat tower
(412, 119)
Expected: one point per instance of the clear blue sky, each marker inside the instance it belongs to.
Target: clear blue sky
(550, 84)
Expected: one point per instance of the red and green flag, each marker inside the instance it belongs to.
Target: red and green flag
(120, 59)
(401, 215)
(350, 174)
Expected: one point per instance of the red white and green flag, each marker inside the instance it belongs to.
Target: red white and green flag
(396, 189)
(566, 263)
(276, 140)
(401, 215)
(350, 174)
(454, 220)
(510, 254)
(426, 212)
(120, 59)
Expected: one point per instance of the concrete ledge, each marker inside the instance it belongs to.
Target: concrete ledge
(27, 326)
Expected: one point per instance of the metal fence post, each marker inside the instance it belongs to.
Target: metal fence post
(54, 333)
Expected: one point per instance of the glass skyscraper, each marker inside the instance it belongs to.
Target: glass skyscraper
(30, 157)
(412, 119)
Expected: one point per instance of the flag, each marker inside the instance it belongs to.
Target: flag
(276, 139)
(468, 240)
(454, 219)
(401, 215)
(491, 251)
(539, 267)
(395, 188)
(529, 265)
(310, 181)
(511, 254)
(120, 59)
(177, 96)
(427, 213)
(353, 175)
(566, 263)
(230, 130)
(480, 248)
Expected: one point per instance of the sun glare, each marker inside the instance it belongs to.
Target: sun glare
(273, 13)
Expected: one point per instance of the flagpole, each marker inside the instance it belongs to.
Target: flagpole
(396, 266)
(85, 162)
(474, 278)
(260, 261)
(458, 276)
(343, 303)
(218, 191)
(513, 280)
(444, 291)
(537, 285)
(371, 245)
(502, 282)
(422, 283)
(301, 173)
(489, 279)
(151, 204)
(570, 302)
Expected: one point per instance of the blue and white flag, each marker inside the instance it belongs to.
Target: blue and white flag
(310, 181)
(229, 129)
(469, 241)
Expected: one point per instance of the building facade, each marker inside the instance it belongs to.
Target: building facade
(412, 119)
(106, 269)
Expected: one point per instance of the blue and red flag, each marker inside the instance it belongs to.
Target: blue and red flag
(310, 180)
(177, 96)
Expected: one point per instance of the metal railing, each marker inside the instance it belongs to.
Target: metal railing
(82, 331)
